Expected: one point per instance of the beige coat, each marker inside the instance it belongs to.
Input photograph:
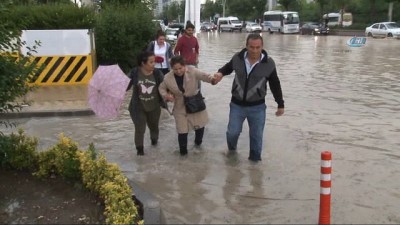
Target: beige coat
(185, 121)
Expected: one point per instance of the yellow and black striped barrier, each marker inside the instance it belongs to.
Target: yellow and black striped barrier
(63, 70)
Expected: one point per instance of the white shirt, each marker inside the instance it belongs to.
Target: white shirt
(250, 67)
(160, 51)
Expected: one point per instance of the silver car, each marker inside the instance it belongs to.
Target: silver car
(253, 27)
(384, 29)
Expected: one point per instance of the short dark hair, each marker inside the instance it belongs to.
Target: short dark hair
(177, 59)
(189, 25)
(254, 36)
(143, 57)
(160, 33)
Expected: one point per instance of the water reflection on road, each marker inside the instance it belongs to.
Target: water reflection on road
(338, 98)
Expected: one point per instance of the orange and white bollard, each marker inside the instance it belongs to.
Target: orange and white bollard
(325, 194)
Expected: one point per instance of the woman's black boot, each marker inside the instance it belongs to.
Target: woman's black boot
(182, 139)
(199, 133)
(183, 150)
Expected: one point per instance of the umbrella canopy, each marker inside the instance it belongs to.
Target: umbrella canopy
(106, 91)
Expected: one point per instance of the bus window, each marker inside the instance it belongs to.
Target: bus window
(290, 19)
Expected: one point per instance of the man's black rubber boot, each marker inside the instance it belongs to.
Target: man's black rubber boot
(140, 150)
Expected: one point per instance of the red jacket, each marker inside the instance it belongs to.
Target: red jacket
(188, 48)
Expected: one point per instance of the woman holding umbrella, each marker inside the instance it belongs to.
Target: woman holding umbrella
(179, 83)
(163, 52)
(146, 101)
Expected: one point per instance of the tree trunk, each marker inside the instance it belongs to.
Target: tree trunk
(390, 12)
(373, 10)
(341, 17)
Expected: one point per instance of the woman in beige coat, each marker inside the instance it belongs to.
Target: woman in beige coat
(179, 82)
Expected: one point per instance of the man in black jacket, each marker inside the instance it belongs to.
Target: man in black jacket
(253, 69)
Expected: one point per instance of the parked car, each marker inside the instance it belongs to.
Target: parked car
(314, 28)
(171, 35)
(383, 29)
(208, 26)
(253, 27)
(159, 25)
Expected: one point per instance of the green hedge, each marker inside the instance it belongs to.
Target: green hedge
(50, 16)
(65, 159)
(122, 32)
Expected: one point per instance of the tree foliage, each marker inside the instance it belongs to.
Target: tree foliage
(210, 10)
(121, 33)
(150, 4)
(50, 16)
(16, 70)
(289, 5)
(253, 9)
(30, 2)
(174, 12)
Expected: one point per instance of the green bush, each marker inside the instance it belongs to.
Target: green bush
(50, 16)
(18, 151)
(61, 159)
(107, 179)
(121, 33)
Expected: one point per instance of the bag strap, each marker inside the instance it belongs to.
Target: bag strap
(134, 78)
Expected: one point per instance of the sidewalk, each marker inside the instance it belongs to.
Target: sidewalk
(63, 100)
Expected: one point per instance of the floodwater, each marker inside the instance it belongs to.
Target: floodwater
(337, 98)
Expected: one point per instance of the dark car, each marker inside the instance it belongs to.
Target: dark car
(208, 26)
(177, 25)
(314, 28)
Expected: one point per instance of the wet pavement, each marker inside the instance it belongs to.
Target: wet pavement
(342, 99)
(59, 100)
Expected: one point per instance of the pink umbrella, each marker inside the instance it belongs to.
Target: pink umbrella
(107, 90)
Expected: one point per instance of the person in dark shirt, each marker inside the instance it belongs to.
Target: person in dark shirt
(144, 107)
(253, 70)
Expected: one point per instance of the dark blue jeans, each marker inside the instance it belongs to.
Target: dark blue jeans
(255, 116)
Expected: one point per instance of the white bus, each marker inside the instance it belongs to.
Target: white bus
(285, 22)
(334, 19)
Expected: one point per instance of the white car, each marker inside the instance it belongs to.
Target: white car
(253, 27)
(384, 29)
(171, 35)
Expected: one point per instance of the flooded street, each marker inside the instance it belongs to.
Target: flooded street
(337, 98)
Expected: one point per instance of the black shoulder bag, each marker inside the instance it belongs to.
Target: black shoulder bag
(194, 103)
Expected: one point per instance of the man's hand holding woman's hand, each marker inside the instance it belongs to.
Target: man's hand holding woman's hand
(217, 78)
